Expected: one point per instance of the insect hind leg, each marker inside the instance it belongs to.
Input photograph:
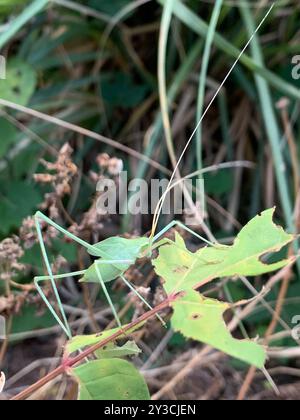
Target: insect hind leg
(176, 223)
(64, 324)
(38, 280)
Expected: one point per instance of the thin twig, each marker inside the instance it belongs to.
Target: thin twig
(71, 362)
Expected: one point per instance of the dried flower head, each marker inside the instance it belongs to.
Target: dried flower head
(28, 233)
(6, 303)
(91, 223)
(138, 304)
(103, 160)
(193, 215)
(62, 172)
(12, 304)
(112, 165)
(50, 204)
(60, 262)
(10, 253)
(283, 103)
(115, 166)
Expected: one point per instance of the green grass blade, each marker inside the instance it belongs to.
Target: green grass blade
(180, 77)
(203, 74)
(33, 9)
(271, 126)
(162, 53)
(270, 120)
(199, 26)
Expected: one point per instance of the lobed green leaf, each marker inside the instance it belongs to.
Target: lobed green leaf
(201, 319)
(184, 270)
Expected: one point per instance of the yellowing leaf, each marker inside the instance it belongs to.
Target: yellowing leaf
(110, 379)
(184, 270)
(201, 319)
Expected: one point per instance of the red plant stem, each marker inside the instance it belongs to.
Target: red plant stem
(68, 363)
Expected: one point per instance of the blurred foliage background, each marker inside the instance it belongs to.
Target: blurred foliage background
(95, 64)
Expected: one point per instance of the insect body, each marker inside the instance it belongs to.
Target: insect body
(107, 268)
(114, 256)
(127, 250)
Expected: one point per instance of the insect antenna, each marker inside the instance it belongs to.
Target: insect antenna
(159, 207)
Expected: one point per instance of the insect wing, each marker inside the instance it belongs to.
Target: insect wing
(117, 248)
(108, 273)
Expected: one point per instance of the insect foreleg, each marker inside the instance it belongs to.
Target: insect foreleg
(61, 276)
(64, 324)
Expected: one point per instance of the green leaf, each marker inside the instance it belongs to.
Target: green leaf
(112, 350)
(20, 82)
(16, 24)
(120, 90)
(8, 135)
(219, 183)
(199, 26)
(68, 250)
(29, 320)
(23, 162)
(110, 379)
(9, 5)
(109, 7)
(184, 270)
(18, 201)
(81, 341)
(32, 257)
(201, 319)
